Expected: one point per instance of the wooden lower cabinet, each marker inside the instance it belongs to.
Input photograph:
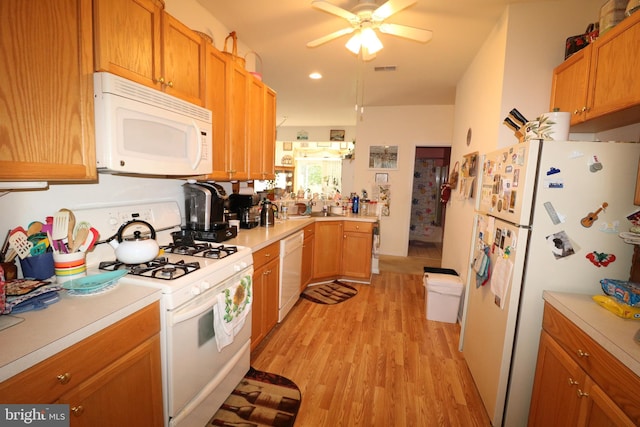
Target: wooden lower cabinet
(356, 250)
(307, 256)
(113, 377)
(327, 250)
(266, 292)
(578, 383)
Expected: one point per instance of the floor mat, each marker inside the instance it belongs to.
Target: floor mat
(261, 398)
(329, 293)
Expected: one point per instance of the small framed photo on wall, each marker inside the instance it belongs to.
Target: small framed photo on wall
(382, 178)
(336, 135)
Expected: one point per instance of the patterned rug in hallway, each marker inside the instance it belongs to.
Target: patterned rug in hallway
(260, 399)
(329, 293)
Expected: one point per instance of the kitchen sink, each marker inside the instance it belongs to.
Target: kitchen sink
(322, 214)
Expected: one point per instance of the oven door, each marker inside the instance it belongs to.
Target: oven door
(199, 377)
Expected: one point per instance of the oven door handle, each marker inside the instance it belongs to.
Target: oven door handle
(180, 315)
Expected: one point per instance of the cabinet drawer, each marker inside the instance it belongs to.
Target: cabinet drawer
(618, 381)
(358, 226)
(310, 230)
(48, 380)
(265, 255)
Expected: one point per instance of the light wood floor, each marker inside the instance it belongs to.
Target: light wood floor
(374, 360)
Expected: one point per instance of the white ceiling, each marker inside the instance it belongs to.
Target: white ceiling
(426, 74)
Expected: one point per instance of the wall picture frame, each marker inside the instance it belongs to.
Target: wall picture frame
(287, 146)
(382, 178)
(336, 135)
(383, 157)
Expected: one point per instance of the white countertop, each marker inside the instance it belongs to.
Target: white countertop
(613, 333)
(46, 332)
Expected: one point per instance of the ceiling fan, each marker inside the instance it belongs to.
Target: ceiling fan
(365, 18)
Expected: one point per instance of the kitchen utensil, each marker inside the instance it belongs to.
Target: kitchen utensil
(60, 225)
(80, 235)
(19, 242)
(137, 249)
(5, 247)
(39, 248)
(267, 215)
(34, 228)
(51, 242)
(71, 225)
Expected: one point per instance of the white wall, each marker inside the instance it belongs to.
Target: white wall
(407, 127)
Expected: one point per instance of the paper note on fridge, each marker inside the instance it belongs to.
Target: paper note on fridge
(501, 278)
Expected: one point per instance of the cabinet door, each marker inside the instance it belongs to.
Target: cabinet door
(127, 39)
(599, 410)
(46, 65)
(257, 309)
(269, 136)
(236, 123)
(356, 255)
(555, 400)
(272, 293)
(307, 261)
(217, 67)
(255, 127)
(569, 85)
(327, 249)
(183, 62)
(127, 392)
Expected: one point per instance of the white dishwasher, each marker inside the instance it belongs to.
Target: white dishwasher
(290, 272)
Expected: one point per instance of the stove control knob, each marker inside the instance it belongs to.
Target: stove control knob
(195, 290)
(205, 285)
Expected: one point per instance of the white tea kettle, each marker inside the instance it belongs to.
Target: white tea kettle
(136, 249)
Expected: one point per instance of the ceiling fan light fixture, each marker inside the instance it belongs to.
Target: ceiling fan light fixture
(354, 43)
(371, 41)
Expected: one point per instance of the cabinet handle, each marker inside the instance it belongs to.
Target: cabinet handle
(64, 378)
(170, 83)
(585, 109)
(572, 381)
(582, 393)
(576, 112)
(77, 410)
(161, 80)
(267, 255)
(583, 353)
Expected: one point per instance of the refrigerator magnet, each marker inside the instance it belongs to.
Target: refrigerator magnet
(600, 259)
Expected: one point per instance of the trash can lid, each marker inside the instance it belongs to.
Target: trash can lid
(443, 279)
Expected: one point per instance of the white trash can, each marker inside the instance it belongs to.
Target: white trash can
(442, 296)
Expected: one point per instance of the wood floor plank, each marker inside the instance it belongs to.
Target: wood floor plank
(374, 360)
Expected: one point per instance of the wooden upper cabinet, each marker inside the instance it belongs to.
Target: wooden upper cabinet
(127, 39)
(569, 85)
(183, 61)
(217, 93)
(138, 40)
(255, 128)
(269, 138)
(599, 84)
(236, 129)
(46, 101)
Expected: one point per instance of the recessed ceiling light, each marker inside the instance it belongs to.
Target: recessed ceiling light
(315, 76)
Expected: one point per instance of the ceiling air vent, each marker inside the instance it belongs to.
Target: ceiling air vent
(385, 68)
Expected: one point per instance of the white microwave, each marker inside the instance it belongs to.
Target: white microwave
(140, 130)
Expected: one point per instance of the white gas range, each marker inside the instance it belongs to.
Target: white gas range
(201, 362)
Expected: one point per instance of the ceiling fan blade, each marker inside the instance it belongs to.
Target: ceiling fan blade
(390, 7)
(329, 37)
(333, 9)
(417, 34)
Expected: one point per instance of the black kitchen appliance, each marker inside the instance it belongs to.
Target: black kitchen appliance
(247, 209)
(205, 204)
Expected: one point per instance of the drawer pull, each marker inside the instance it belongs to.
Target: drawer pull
(582, 393)
(267, 255)
(583, 353)
(77, 410)
(572, 381)
(64, 378)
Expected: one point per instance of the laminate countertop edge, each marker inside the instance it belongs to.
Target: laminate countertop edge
(613, 333)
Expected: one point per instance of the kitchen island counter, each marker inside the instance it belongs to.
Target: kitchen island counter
(614, 334)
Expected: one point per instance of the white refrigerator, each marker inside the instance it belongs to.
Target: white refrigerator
(548, 218)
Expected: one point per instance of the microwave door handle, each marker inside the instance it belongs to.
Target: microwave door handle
(198, 145)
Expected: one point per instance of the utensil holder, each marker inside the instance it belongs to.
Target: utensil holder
(69, 266)
(39, 267)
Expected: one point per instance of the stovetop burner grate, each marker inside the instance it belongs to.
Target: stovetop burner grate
(159, 268)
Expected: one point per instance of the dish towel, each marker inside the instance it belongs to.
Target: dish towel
(231, 310)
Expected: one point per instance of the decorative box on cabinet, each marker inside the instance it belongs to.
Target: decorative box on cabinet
(47, 124)
(111, 378)
(577, 382)
(266, 291)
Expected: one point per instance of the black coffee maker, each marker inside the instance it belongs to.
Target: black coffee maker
(247, 209)
(205, 204)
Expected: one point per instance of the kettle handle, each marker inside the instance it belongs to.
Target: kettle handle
(134, 221)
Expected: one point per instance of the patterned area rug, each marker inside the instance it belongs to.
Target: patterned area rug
(329, 293)
(260, 399)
